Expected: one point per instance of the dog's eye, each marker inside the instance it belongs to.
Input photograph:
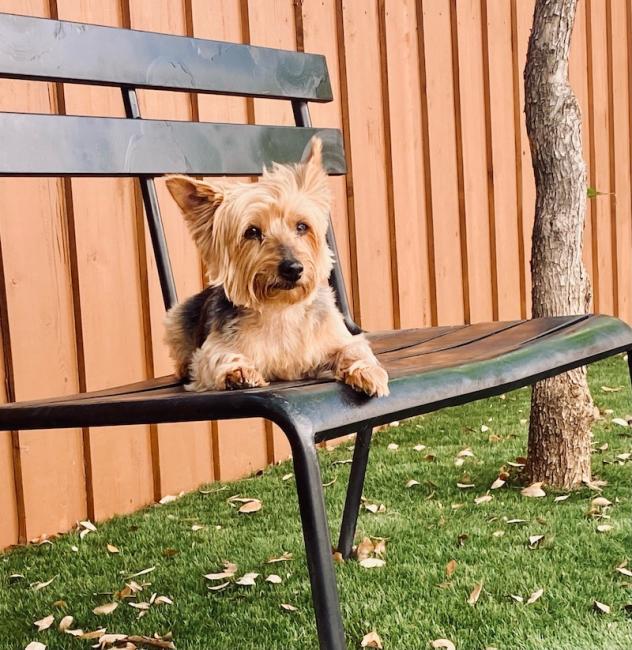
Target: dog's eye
(252, 232)
(301, 228)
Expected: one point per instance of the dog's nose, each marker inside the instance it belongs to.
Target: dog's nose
(290, 270)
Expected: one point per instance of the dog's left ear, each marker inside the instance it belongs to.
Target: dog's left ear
(311, 175)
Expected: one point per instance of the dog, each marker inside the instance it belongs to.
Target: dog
(268, 313)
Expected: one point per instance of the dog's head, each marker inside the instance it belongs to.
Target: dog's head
(265, 242)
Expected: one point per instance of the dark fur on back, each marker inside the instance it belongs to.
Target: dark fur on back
(207, 311)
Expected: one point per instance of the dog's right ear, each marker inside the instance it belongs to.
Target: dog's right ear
(198, 202)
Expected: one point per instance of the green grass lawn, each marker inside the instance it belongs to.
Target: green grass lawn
(410, 601)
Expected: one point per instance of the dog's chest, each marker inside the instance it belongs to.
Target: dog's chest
(284, 344)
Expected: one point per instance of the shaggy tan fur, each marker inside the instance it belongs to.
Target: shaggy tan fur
(278, 329)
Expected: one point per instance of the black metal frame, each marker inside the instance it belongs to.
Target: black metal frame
(307, 413)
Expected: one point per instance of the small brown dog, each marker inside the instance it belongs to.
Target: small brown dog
(269, 313)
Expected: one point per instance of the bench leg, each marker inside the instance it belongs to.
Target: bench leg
(354, 491)
(322, 576)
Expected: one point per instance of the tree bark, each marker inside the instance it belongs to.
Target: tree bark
(561, 408)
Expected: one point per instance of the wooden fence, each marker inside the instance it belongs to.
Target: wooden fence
(433, 221)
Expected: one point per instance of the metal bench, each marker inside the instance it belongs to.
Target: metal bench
(429, 368)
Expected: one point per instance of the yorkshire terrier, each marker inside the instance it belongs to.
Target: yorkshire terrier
(268, 313)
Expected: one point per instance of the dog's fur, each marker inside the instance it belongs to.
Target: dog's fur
(256, 322)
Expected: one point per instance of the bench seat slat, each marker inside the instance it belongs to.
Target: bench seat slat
(43, 49)
(54, 145)
(515, 355)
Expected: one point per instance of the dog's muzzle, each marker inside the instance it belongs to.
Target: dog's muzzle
(290, 270)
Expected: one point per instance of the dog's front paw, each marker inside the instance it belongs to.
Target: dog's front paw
(372, 380)
(243, 377)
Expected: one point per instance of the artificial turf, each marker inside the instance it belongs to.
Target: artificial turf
(410, 601)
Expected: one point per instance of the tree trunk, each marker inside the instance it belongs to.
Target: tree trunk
(561, 408)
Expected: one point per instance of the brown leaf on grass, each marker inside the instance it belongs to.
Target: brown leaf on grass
(247, 580)
(289, 608)
(36, 586)
(534, 490)
(78, 632)
(163, 600)
(601, 608)
(330, 483)
(219, 587)
(624, 571)
(498, 483)
(142, 572)
(142, 605)
(88, 525)
(485, 498)
(274, 579)
(104, 610)
(465, 486)
(517, 598)
(371, 640)
(229, 571)
(254, 505)
(620, 421)
(111, 639)
(601, 502)
(95, 634)
(534, 540)
(375, 508)
(35, 645)
(446, 644)
(419, 447)
(516, 521)
(611, 389)
(65, 623)
(286, 557)
(535, 596)
(196, 527)
(112, 549)
(562, 497)
(337, 557)
(604, 528)
(151, 642)
(372, 563)
(465, 453)
(450, 568)
(476, 594)
(412, 483)
(287, 477)
(393, 446)
(44, 623)
(379, 547)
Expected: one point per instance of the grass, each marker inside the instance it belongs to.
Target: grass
(409, 601)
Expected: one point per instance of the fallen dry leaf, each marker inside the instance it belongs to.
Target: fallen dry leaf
(163, 600)
(535, 596)
(516, 521)
(465, 486)
(601, 607)
(289, 608)
(518, 599)
(106, 609)
(142, 572)
(65, 623)
(112, 549)
(44, 623)
(623, 570)
(534, 490)
(534, 540)
(392, 446)
(168, 498)
(412, 483)
(35, 645)
(219, 587)
(603, 528)
(620, 421)
(450, 568)
(484, 428)
(465, 453)
(601, 502)
(364, 549)
(498, 533)
(88, 525)
(36, 586)
(486, 498)
(77, 632)
(610, 389)
(375, 508)
(476, 594)
(95, 634)
(286, 557)
(287, 477)
(419, 447)
(372, 563)
(274, 579)
(247, 580)
(498, 483)
(443, 643)
(254, 505)
(229, 571)
(111, 639)
(371, 640)
(562, 497)
(196, 527)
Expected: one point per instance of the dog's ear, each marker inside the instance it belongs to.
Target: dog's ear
(311, 175)
(198, 202)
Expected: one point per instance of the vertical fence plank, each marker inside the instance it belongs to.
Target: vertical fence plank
(475, 164)
(319, 34)
(232, 437)
(108, 275)
(9, 530)
(604, 264)
(360, 37)
(42, 338)
(438, 95)
(501, 134)
(184, 450)
(619, 71)
(409, 201)
(522, 20)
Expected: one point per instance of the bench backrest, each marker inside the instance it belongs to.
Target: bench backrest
(57, 145)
